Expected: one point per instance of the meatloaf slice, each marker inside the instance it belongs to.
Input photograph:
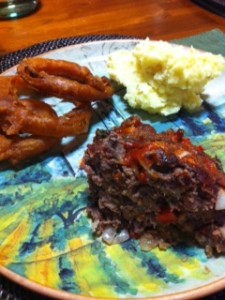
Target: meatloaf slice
(156, 186)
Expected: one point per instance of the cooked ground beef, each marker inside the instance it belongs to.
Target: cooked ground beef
(155, 184)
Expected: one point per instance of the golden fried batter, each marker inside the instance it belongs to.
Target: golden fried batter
(29, 127)
(64, 79)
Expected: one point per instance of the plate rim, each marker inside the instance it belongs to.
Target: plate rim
(204, 290)
(74, 46)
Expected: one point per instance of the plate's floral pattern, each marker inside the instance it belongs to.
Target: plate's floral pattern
(45, 235)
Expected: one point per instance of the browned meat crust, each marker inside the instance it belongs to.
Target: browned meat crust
(155, 183)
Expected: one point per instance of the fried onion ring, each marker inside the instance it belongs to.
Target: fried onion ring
(35, 117)
(29, 126)
(15, 149)
(64, 79)
(14, 85)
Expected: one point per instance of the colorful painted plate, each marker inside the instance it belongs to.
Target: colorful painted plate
(46, 240)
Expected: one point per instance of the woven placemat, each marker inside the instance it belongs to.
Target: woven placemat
(10, 290)
(13, 58)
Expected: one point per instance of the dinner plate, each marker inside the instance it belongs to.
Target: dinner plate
(46, 238)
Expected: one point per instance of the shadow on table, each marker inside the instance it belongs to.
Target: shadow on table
(215, 6)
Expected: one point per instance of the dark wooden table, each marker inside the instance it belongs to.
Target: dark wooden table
(161, 19)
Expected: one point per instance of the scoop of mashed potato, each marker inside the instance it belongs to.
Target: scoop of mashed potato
(161, 77)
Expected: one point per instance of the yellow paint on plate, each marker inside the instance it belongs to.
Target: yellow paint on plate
(11, 244)
(9, 220)
(132, 271)
(181, 267)
(76, 243)
(47, 269)
(46, 229)
(91, 276)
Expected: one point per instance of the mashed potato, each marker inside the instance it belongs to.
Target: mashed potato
(161, 77)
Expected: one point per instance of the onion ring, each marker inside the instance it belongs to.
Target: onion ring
(29, 127)
(16, 148)
(64, 79)
(14, 85)
(35, 117)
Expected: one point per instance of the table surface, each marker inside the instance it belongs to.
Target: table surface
(161, 19)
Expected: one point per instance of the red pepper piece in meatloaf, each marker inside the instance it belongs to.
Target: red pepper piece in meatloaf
(158, 185)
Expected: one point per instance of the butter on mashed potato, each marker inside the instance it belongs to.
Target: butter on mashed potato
(161, 77)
